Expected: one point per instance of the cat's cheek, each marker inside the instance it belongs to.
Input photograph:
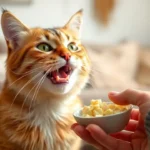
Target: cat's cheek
(75, 63)
(61, 88)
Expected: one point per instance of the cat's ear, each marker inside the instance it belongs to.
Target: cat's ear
(14, 31)
(75, 23)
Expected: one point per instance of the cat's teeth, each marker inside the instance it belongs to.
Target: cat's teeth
(60, 75)
(57, 78)
(67, 78)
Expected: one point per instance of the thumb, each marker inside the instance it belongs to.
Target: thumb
(130, 96)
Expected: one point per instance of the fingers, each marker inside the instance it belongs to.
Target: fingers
(85, 135)
(106, 140)
(132, 125)
(130, 96)
(123, 135)
(135, 97)
(135, 114)
(98, 138)
(101, 137)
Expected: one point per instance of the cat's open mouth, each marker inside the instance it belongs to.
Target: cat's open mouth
(61, 75)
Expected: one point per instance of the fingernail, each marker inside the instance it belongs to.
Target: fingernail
(113, 93)
(73, 126)
(76, 129)
(89, 128)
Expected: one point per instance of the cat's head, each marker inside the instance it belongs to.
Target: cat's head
(52, 59)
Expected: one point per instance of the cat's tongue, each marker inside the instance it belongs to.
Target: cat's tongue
(61, 75)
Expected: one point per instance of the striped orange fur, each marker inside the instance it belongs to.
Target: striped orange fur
(45, 71)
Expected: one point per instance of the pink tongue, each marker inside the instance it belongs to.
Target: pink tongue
(63, 74)
(60, 74)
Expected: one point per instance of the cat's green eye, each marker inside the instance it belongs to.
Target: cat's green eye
(72, 47)
(44, 47)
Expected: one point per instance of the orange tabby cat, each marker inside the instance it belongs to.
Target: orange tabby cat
(45, 70)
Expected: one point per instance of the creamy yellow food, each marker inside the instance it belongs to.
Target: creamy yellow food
(98, 108)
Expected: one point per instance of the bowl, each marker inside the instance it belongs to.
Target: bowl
(110, 123)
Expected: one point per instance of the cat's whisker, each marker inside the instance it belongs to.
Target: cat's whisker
(26, 73)
(33, 86)
(101, 72)
(93, 69)
(85, 67)
(27, 63)
(44, 78)
(27, 96)
(38, 87)
(22, 73)
(27, 83)
(91, 80)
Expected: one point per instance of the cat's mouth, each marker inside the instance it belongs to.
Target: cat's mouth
(61, 75)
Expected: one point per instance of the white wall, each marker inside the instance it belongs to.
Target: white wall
(130, 20)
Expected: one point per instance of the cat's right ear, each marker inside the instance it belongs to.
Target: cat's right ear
(13, 30)
(75, 23)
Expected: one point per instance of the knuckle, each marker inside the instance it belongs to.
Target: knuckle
(128, 91)
(144, 96)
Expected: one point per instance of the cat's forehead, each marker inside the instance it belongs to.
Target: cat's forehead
(62, 34)
(59, 33)
(53, 33)
(56, 36)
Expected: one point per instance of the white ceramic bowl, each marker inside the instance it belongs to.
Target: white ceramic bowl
(110, 124)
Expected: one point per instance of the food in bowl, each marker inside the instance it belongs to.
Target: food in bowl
(98, 108)
(110, 117)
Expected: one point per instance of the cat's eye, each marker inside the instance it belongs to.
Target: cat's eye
(72, 47)
(44, 47)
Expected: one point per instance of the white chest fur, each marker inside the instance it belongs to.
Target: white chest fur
(45, 117)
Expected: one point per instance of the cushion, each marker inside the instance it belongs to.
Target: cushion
(114, 66)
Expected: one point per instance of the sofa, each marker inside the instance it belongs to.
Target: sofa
(117, 67)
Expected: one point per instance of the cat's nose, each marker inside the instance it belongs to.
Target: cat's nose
(66, 56)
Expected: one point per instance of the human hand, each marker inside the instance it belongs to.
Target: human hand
(133, 137)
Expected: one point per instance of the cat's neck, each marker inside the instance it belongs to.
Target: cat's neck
(48, 117)
(40, 103)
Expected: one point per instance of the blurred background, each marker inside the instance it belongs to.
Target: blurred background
(116, 34)
(105, 21)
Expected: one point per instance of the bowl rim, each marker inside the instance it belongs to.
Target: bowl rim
(78, 110)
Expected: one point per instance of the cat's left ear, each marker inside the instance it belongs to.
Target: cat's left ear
(13, 29)
(75, 23)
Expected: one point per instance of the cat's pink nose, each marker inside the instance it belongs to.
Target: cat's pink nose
(66, 56)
